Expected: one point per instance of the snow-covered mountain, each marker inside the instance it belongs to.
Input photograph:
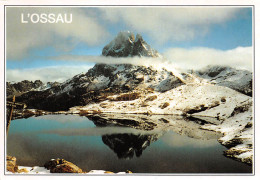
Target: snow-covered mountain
(107, 79)
(239, 80)
(26, 86)
(125, 44)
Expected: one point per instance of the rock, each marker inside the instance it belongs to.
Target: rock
(121, 46)
(126, 45)
(164, 105)
(234, 153)
(129, 172)
(62, 166)
(151, 98)
(141, 48)
(108, 172)
(22, 87)
(237, 79)
(11, 164)
(23, 170)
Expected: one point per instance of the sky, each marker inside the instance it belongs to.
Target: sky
(188, 37)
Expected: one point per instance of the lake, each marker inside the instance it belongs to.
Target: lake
(94, 146)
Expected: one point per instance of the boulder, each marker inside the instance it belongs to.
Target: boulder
(11, 164)
(62, 166)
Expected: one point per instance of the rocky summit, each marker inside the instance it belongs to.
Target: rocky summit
(126, 44)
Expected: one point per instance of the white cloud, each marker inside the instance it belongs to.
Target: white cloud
(46, 74)
(179, 58)
(171, 23)
(91, 25)
(196, 58)
(175, 59)
(110, 60)
(22, 37)
(157, 63)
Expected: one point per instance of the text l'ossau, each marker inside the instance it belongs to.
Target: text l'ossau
(46, 18)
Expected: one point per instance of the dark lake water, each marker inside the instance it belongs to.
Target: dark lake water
(77, 139)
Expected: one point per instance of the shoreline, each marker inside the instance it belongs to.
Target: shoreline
(236, 139)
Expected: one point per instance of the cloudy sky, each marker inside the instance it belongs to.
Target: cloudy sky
(189, 37)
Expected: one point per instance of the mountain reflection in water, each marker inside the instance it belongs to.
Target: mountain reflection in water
(126, 145)
(110, 142)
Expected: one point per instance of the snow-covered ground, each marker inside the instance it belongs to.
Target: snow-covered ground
(238, 133)
(226, 111)
(177, 101)
(43, 170)
(30, 170)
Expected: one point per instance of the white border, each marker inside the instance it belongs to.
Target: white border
(135, 2)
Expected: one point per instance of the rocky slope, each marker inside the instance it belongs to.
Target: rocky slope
(99, 82)
(22, 87)
(238, 132)
(239, 80)
(187, 99)
(26, 86)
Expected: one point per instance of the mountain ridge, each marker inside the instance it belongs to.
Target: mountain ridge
(237, 79)
(105, 80)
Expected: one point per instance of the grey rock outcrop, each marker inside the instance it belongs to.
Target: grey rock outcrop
(237, 79)
(25, 86)
(21, 87)
(126, 44)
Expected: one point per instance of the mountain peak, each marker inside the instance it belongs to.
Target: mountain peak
(125, 44)
(138, 38)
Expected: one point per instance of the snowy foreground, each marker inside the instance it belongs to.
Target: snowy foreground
(42, 170)
(226, 111)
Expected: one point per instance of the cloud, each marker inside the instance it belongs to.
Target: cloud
(196, 58)
(165, 24)
(175, 60)
(156, 63)
(46, 74)
(22, 37)
(91, 25)
(109, 60)
(179, 58)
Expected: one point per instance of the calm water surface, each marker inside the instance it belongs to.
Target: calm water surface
(36, 140)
